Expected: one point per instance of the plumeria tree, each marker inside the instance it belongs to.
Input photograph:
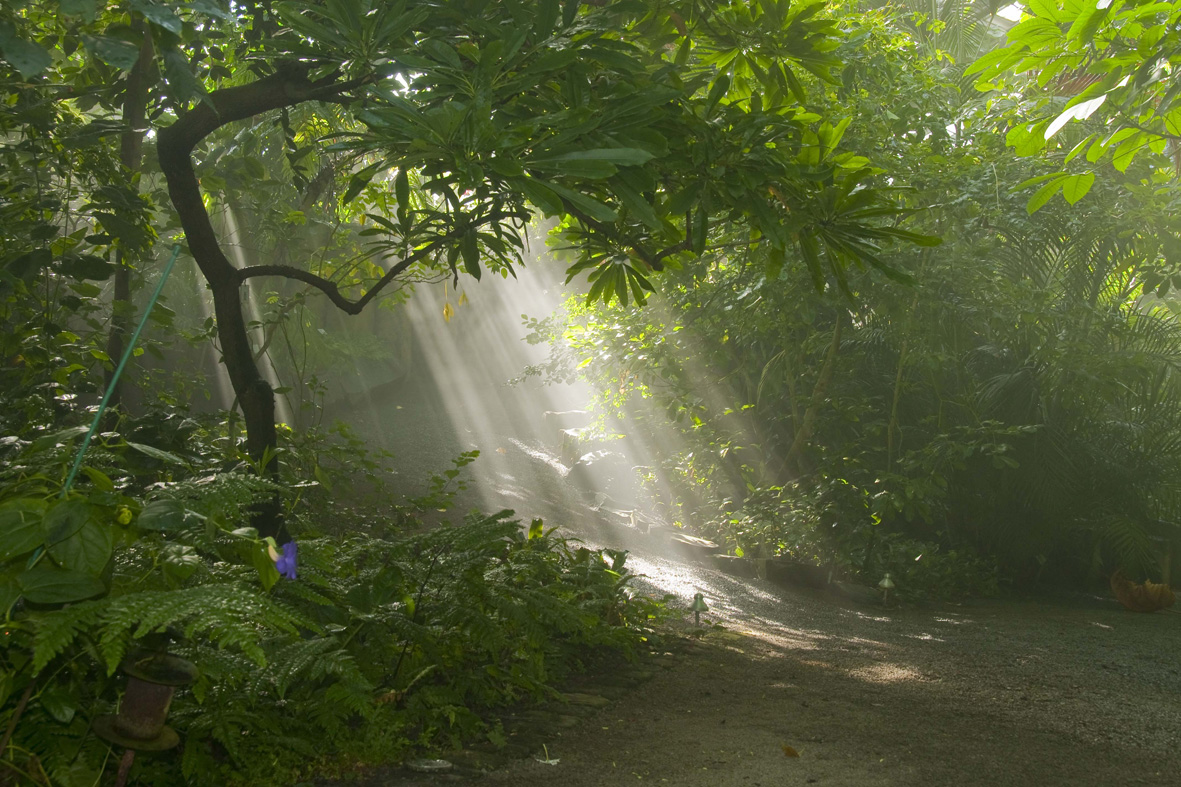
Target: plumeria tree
(639, 125)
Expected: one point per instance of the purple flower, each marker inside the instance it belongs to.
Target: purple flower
(286, 562)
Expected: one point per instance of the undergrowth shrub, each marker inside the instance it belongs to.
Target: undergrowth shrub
(389, 639)
(833, 524)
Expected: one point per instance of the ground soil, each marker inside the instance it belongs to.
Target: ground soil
(1064, 691)
(1054, 690)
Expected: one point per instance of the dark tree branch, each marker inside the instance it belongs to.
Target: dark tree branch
(330, 288)
(287, 87)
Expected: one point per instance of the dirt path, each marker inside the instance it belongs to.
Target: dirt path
(1007, 693)
(1069, 691)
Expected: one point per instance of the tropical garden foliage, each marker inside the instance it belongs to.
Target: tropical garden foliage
(1005, 414)
(771, 178)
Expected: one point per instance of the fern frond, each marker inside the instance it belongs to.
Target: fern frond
(57, 630)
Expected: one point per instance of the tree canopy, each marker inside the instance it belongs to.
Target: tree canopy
(817, 270)
(640, 126)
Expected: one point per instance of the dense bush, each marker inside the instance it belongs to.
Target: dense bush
(389, 638)
(1010, 398)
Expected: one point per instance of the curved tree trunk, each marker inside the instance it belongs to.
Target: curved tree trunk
(174, 148)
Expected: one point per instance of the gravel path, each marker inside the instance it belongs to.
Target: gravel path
(1058, 691)
(1016, 693)
(1069, 690)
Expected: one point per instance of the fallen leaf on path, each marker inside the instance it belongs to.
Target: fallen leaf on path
(789, 751)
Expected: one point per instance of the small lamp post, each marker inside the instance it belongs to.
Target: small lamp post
(698, 606)
(139, 725)
(886, 585)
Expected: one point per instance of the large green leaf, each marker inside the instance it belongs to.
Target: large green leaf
(87, 9)
(162, 515)
(66, 518)
(26, 57)
(360, 180)
(159, 15)
(86, 266)
(48, 585)
(9, 593)
(268, 575)
(539, 193)
(156, 453)
(113, 51)
(470, 249)
(623, 157)
(87, 550)
(1043, 195)
(1076, 186)
(592, 207)
(184, 84)
(29, 263)
(21, 530)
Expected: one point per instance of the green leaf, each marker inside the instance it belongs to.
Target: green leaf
(1043, 195)
(209, 8)
(86, 551)
(180, 77)
(101, 480)
(159, 15)
(699, 231)
(546, 16)
(21, 526)
(916, 238)
(402, 194)
(87, 9)
(1123, 156)
(26, 57)
(589, 169)
(58, 702)
(636, 203)
(86, 266)
(623, 157)
(536, 529)
(293, 15)
(58, 439)
(162, 515)
(810, 249)
(65, 519)
(179, 561)
(29, 263)
(539, 193)
(360, 180)
(47, 585)
(592, 207)
(470, 249)
(1076, 186)
(775, 261)
(113, 51)
(267, 573)
(716, 91)
(442, 52)
(156, 453)
(10, 593)
(1087, 22)
(570, 11)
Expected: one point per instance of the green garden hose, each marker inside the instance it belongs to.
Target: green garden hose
(119, 371)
